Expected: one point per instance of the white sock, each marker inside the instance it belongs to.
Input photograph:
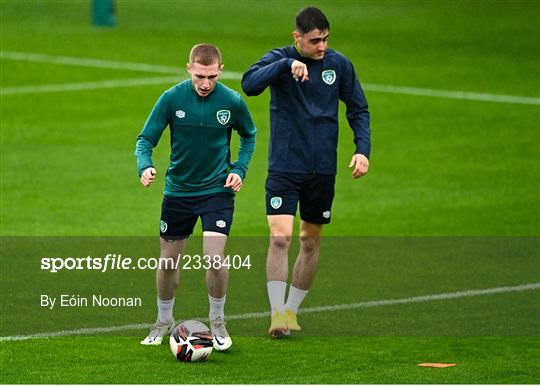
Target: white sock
(165, 310)
(216, 307)
(296, 297)
(276, 295)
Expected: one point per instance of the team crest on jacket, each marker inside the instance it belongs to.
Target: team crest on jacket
(329, 76)
(223, 116)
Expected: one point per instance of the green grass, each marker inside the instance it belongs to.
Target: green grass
(485, 335)
(439, 166)
(457, 180)
(341, 360)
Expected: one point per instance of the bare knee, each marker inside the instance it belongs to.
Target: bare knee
(213, 272)
(168, 264)
(280, 231)
(309, 244)
(167, 273)
(170, 254)
(310, 237)
(280, 241)
(216, 265)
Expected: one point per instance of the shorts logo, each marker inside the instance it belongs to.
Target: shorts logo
(326, 214)
(163, 226)
(221, 224)
(329, 76)
(275, 202)
(223, 116)
(180, 113)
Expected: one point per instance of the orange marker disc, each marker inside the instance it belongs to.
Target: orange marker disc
(437, 365)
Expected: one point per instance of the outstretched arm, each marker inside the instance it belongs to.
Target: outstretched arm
(266, 71)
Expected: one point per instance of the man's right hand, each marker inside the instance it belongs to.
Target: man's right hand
(299, 71)
(148, 176)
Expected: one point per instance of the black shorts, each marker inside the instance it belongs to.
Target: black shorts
(314, 191)
(179, 214)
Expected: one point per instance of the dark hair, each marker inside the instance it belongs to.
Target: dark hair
(311, 18)
(205, 54)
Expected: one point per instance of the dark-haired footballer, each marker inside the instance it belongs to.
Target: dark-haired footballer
(307, 80)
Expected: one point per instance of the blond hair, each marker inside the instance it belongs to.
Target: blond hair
(205, 54)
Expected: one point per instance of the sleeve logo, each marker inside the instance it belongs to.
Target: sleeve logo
(223, 116)
(329, 76)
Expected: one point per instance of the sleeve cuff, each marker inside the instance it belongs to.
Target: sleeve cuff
(362, 149)
(142, 169)
(239, 171)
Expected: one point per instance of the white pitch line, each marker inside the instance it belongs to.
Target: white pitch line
(231, 75)
(463, 95)
(88, 62)
(114, 83)
(256, 315)
(109, 64)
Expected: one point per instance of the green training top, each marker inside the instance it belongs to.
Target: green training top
(200, 136)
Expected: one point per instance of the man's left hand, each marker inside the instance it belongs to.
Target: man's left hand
(234, 181)
(360, 165)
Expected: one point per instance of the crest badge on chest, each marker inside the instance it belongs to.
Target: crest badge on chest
(223, 116)
(329, 76)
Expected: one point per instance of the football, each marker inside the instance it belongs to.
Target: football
(191, 341)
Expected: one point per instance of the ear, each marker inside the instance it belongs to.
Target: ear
(296, 35)
(188, 68)
(221, 68)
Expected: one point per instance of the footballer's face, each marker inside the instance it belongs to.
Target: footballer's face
(204, 78)
(312, 44)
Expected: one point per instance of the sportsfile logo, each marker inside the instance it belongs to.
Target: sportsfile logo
(118, 262)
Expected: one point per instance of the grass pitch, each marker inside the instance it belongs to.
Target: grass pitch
(461, 173)
(259, 360)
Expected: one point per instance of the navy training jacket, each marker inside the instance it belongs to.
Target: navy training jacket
(304, 115)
